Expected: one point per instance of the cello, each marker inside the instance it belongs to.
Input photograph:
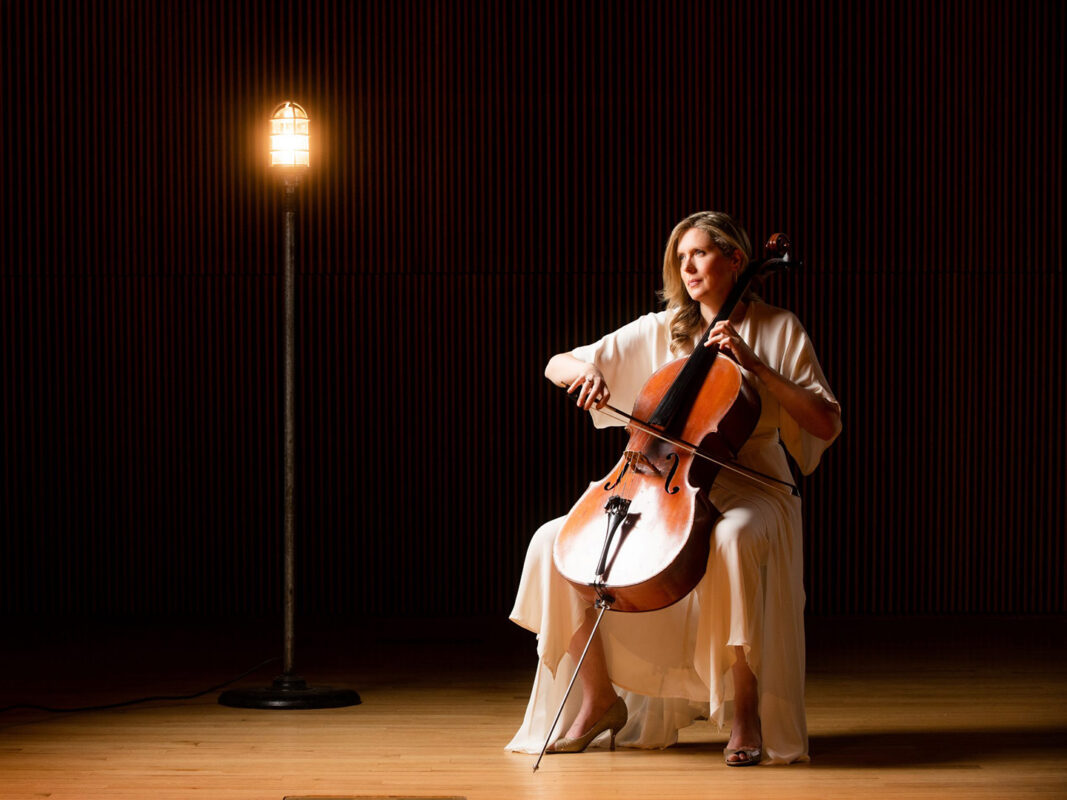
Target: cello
(639, 539)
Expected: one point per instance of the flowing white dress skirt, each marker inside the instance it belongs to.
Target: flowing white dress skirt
(672, 666)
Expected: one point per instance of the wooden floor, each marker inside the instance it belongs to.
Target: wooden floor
(950, 708)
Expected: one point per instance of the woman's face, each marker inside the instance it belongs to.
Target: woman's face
(708, 275)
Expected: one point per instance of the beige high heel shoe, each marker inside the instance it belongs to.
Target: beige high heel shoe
(614, 718)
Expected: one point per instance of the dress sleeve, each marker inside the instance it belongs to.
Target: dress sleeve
(799, 364)
(627, 358)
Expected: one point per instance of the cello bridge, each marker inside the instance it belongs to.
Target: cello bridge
(639, 462)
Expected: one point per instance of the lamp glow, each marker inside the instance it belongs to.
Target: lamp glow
(289, 137)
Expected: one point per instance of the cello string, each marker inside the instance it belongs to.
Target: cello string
(740, 469)
(747, 472)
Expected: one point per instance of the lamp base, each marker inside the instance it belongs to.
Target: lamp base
(289, 692)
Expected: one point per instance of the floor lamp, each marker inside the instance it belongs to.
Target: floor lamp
(289, 157)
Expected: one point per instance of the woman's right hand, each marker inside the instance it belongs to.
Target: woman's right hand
(591, 387)
(578, 376)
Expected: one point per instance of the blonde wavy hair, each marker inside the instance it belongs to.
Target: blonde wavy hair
(729, 236)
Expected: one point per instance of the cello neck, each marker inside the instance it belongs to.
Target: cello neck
(677, 401)
(673, 409)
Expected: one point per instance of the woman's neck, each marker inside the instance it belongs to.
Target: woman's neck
(709, 313)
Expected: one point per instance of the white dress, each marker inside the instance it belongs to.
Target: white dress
(673, 665)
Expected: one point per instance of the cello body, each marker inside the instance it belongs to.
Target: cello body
(657, 549)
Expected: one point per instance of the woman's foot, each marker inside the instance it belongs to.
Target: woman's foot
(589, 714)
(745, 746)
(746, 738)
(582, 732)
(742, 756)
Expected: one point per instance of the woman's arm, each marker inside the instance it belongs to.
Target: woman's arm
(815, 414)
(563, 369)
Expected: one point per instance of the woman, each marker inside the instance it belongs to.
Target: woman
(736, 642)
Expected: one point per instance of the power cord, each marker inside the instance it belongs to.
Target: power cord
(143, 699)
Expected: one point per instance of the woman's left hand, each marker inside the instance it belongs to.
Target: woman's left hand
(727, 338)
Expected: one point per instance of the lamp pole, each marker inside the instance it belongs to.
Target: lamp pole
(290, 155)
(290, 425)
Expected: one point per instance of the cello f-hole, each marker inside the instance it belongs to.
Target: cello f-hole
(609, 486)
(674, 468)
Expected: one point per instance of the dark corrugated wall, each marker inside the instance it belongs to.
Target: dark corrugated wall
(492, 183)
